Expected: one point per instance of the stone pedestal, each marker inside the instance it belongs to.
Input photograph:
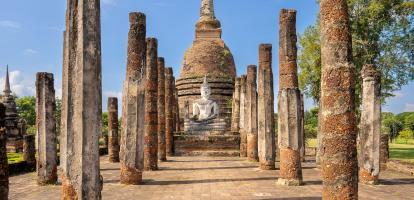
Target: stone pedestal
(133, 104)
(337, 104)
(113, 136)
(370, 130)
(207, 144)
(265, 105)
(81, 102)
(46, 129)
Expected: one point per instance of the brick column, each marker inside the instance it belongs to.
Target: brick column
(169, 100)
(29, 149)
(265, 106)
(81, 102)
(302, 136)
(162, 154)
(235, 121)
(176, 110)
(4, 167)
(133, 103)
(46, 129)
(337, 112)
(151, 108)
(384, 151)
(370, 129)
(113, 136)
(243, 125)
(289, 103)
(251, 113)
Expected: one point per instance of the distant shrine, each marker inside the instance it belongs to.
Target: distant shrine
(15, 126)
(205, 88)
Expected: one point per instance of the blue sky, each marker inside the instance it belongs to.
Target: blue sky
(31, 37)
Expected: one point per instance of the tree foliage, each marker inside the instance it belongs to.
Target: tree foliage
(382, 34)
(311, 123)
(27, 109)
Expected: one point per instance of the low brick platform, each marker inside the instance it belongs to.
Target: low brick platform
(211, 178)
(227, 145)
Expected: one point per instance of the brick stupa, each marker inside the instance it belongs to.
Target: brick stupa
(208, 56)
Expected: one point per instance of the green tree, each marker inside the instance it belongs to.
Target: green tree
(105, 129)
(406, 135)
(26, 108)
(391, 124)
(382, 34)
(58, 114)
(409, 122)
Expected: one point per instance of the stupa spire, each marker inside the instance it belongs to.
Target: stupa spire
(207, 9)
(7, 90)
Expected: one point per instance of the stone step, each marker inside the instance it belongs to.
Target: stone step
(218, 153)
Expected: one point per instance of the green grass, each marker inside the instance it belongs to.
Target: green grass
(404, 141)
(312, 143)
(403, 152)
(15, 157)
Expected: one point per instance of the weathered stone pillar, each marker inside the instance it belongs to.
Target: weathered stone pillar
(4, 167)
(176, 110)
(81, 102)
(302, 129)
(289, 103)
(242, 124)
(370, 130)
(266, 111)
(46, 129)
(169, 117)
(133, 103)
(174, 107)
(113, 130)
(337, 112)
(251, 113)
(384, 150)
(235, 121)
(29, 149)
(162, 154)
(151, 108)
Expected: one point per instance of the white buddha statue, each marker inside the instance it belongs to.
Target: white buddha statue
(205, 116)
(205, 109)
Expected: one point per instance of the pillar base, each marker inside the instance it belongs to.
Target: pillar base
(68, 191)
(252, 159)
(43, 181)
(267, 166)
(113, 159)
(289, 182)
(162, 160)
(366, 178)
(130, 176)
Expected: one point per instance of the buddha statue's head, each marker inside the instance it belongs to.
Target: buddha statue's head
(205, 89)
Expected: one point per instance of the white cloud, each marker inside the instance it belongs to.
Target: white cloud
(20, 84)
(399, 94)
(9, 24)
(110, 2)
(409, 107)
(30, 52)
(107, 94)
